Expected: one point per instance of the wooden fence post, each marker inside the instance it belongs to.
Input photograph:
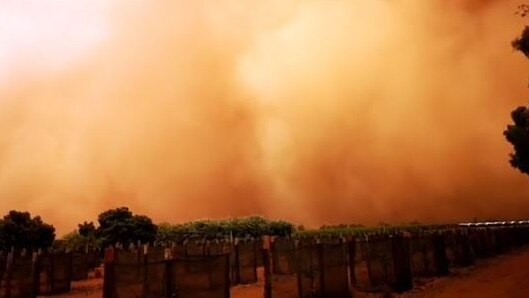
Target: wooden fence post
(35, 274)
(145, 270)
(369, 258)
(351, 255)
(466, 250)
(441, 260)
(109, 277)
(267, 274)
(298, 268)
(51, 274)
(237, 263)
(227, 278)
(321, 266)
(400, 246)
(9, 273)
(69, 268)
(169, 289)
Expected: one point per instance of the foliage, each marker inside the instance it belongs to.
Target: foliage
(76, 242)
(87, 229)
(518, 133)
(254, 226)
(354, 230)
(523, 10)
(85, 237)
(121, 226)
(522, 43)
(19, 230)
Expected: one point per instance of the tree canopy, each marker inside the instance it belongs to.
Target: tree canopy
(19, 230)
(253, 226)
(87, 229)
(121, 226)
(518, 133)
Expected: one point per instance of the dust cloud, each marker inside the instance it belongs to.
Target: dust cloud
(312, 111)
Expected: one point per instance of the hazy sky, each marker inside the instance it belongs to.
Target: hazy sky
(314, 111)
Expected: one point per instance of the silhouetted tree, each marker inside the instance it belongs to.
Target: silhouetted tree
(518, 133)
(85, 237)
(19, 230)
(87, 229)
(121, 226)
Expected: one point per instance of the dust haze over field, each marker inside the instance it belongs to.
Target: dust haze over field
(312, 111)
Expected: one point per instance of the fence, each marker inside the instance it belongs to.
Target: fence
(306, 269)
(379, 263)
(3, 265)
(24, 275)
(279, 263)
(53, 273)
(459, 250)
(18, 280)
(428, 254)
(331, 267)
(246, 255)
(138, 274)
(83, 263)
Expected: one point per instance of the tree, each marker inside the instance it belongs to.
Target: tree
(121, 226)
(253, 226)
(518, 133)
(73, 241)
(19, 230)
(85, 237)
(87, 229)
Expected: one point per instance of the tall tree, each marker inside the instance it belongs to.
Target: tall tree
(517, 133)
(121, 226)
(19, 230)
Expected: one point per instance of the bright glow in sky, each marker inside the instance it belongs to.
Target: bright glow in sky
(47, 36)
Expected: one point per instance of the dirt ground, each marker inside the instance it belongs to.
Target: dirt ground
(504, 276)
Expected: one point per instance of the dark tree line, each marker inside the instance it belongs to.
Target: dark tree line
(18, 230)
(118, 225)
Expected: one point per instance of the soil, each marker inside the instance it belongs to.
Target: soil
(503, 276)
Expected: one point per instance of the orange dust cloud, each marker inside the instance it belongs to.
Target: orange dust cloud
(311, 111)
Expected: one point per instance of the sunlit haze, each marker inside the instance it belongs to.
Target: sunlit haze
(318, 112)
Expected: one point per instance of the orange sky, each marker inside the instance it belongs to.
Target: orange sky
(313, 111)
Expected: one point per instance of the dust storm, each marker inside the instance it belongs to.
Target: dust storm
(311, 111)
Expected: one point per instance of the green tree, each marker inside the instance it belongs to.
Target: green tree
(253, 226)
(19, 230)
(73, 241)
(121, 226)
(517, 133)
(82, 238)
